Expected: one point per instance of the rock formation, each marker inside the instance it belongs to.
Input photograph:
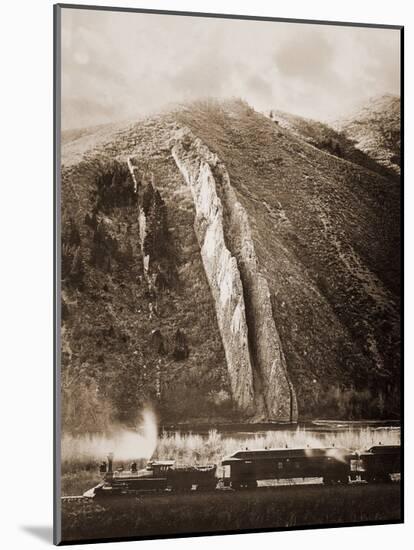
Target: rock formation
(255, 359)
(280, 251)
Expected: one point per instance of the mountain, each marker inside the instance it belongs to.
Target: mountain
(219, 266)
(332, 141)
(375, 130)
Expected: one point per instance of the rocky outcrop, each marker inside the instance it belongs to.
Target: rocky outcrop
(255, 359)
(222, 274)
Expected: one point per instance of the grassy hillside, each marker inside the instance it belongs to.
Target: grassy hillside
(331, 141)
(326, 231)
(108, 318)
(375, 130)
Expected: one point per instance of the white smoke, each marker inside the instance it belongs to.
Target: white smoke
(339, 454)
(125, 443)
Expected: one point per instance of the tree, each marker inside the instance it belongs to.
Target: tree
(84, 410)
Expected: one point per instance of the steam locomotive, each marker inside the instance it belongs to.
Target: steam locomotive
(245, 468)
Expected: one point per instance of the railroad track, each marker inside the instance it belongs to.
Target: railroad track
(77, 498)
(148, 495)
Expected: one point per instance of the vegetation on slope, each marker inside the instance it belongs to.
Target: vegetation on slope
(326, 232)
(327, 139)
(113, 364)
(376, 130)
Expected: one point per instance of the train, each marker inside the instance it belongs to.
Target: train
(244, 469)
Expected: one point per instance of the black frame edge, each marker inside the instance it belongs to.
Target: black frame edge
(402, 245)
(227, 16)
(57, 527)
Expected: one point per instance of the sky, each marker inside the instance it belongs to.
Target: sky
(117, 65)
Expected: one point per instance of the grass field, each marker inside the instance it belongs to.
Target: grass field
(263, 508)
(197, 448)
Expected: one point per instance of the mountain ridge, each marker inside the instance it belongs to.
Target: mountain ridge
(327, 241)
(375, 128)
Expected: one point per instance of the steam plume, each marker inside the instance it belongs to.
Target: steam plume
(125, 443)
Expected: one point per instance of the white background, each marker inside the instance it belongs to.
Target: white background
(26, 183)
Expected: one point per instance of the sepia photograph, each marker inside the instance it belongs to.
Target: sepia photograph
(228, 274)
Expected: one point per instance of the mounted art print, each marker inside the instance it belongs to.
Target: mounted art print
(228, 274)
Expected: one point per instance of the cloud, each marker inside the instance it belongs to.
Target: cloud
(308, 56)
(117, 65)
(259, 86)
(209, 74)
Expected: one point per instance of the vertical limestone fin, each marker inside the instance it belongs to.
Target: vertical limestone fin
(255, 359)
(222, 274)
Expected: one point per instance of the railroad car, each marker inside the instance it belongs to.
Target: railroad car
(380, 462)
(244, 469)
